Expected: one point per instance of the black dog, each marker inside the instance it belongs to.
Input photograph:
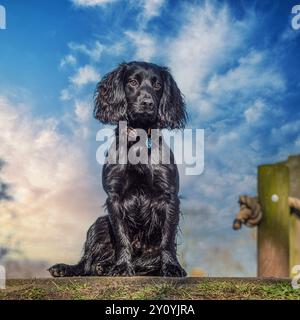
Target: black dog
(138, 236)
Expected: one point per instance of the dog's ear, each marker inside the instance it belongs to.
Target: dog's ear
(172, 112)
(110, 98)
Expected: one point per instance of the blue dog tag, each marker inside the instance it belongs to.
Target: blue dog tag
(149, 143)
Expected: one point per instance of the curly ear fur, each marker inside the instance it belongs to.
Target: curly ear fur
(110, 99)
(172, 112)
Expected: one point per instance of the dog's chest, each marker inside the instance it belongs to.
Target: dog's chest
(141, 176)
(141, 196)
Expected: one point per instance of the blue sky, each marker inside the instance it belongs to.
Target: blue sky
(237, 63)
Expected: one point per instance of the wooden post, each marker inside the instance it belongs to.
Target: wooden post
(293, 163)
(273, 231)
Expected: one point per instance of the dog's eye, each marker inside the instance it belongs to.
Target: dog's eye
(133, 83)
(157, 86)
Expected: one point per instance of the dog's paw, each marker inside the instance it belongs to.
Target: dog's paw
(122, 270)
(170, 266)
(99, 269)
(60, 270)
(102, 269)
(173, 270)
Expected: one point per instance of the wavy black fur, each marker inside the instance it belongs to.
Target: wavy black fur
(138, 236)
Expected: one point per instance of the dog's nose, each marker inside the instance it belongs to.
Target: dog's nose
(148, 102)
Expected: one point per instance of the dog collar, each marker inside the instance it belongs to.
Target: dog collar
(132, 133)
(149, 141)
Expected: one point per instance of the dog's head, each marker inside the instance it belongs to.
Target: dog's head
(143, 94)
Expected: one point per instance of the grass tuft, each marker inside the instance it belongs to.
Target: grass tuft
(143, 288)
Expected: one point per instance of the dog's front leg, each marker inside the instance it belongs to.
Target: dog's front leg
(170, 265)
(123, 250)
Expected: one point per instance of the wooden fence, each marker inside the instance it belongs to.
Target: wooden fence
(278, 235)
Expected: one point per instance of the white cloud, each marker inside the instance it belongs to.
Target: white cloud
(65, 95)
(285, 136)
(85, 75)
(151, 9)
(255, 112)
(297, 142)
(56, 197)
(201, 47)
(244, 78)
(91, 3)
(82, 111)
(213, 71)
(286, 129)
(94, 52)
(68, 60)
(116, 49)
(220, 81)
(144, 43)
